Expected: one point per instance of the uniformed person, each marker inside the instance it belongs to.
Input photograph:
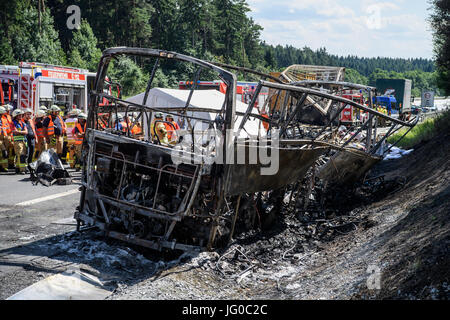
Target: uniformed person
(54, 130)
(5, 139)
(41, 143)
(20, 132)
(11, 155)
(172, 135)
(120, 124)
(31, 135)
(71, 122)
(158, 129)
(78, 133)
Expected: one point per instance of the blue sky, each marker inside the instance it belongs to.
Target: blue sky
(369, 28)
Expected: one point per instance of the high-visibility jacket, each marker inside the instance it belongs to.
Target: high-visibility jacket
(5, 129)
(136, 130)
(20, 125)
(10, 120)
(39, 130)
(161, 131)
(79, 140)
(51, 126)
(170, 129)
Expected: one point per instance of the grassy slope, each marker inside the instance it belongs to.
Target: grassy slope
(422, 132)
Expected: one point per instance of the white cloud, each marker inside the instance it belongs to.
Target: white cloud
(344, 28)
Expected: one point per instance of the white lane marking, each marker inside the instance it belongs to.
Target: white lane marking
(51, 197)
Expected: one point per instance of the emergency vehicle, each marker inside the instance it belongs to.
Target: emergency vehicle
(351, 115)
(9, 76)
(32, 84)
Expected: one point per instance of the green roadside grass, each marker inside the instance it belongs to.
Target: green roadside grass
(422, 132)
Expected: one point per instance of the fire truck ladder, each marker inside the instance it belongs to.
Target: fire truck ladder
(24, 91)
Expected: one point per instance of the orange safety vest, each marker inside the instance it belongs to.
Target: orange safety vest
(79, 140)
(40, 132)
(5, 129)
(136, 130)
(51, 126)
(9, 119)
(170, 129)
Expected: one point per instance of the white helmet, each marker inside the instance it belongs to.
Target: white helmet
(82, 115)
(43, 108)
(55, 108)
(27, 110)
(9, 107)
(2, 110)
(75, 112)
(17, 112)
(41, 113)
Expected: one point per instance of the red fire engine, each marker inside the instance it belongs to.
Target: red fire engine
(32, 84)
(351, 115)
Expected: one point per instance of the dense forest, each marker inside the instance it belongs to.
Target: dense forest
(216, 30)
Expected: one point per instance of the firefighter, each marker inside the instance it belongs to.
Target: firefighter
(171, 130)
(9, 109)
(71, 122)
(120, 124)
(31, 135)
(78, 134)
(19, 130)
(41, 143)
(65, 149)
(54, 130)
(158, 131)
(136, 129)
(5, 134)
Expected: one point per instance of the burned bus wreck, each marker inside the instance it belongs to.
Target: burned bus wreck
(194, 191)
(354, 149)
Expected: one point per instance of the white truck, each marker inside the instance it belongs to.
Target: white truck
(32, 84)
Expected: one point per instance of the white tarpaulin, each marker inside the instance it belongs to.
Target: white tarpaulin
(69, 285)
(205, 99)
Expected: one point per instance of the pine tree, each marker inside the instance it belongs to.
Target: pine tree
(83, 48)
(31, 43)
(441, 37)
